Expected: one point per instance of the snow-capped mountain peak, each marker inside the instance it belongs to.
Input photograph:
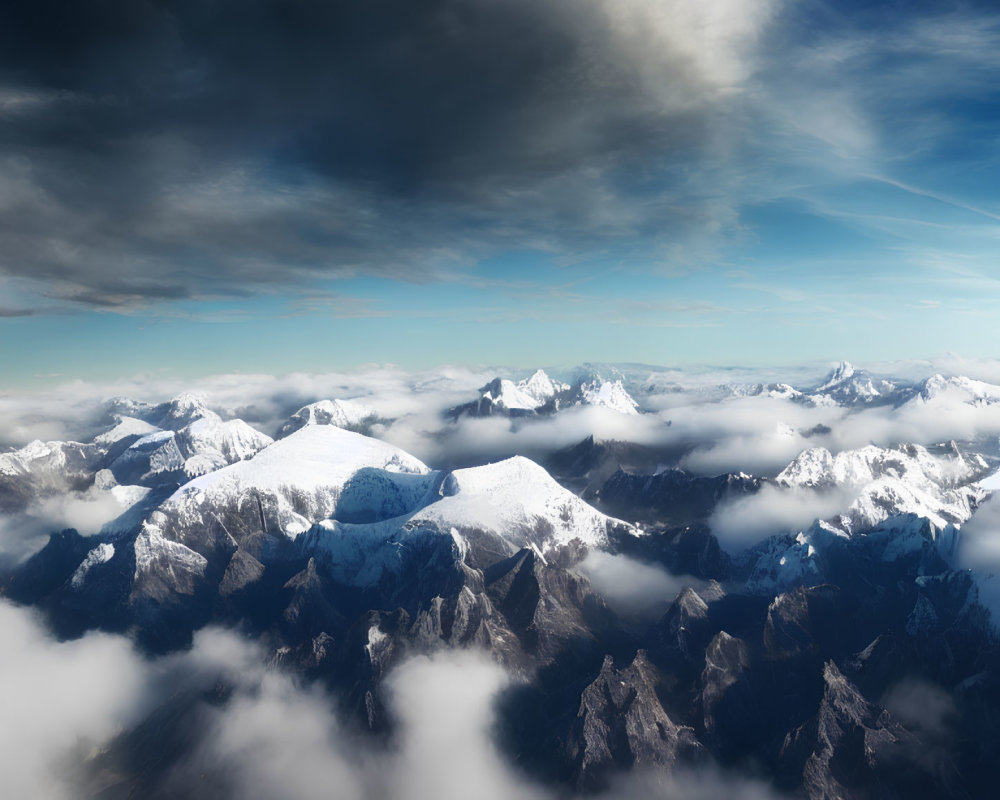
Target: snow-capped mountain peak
(184, 409)
(339, 413)
(541, 387)
(609, 394)
(938, 388)
(506, 394)
(529, 394)
(843, 371)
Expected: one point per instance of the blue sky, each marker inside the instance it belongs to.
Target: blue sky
(727, 182)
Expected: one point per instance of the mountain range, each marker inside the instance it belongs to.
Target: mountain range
(344, 555)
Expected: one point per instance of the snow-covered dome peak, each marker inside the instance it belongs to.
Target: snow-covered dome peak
(519, 501)
(184, 409)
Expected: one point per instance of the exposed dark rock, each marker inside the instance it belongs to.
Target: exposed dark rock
(671, 497)
(729, 704)
(622, 724)
(853, 749)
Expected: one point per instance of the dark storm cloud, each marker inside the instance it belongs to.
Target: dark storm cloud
(164, 150)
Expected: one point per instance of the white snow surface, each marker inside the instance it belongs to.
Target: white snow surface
(847, 386)
(515, 500)
(526, 395)
(101, 554)
(518, 500)
(842, 372)
(213, 443)
(609, 394)
(49, 459)
(938, 389)
(201, 446)
(902, 500)
(304, 477)
(890, 481)
(340, 413)
(323, 480)
(541, 387)
(124, 428)
(184, 409)
(913, 464)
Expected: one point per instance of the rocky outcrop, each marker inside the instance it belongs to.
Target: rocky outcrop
(622, 724)
(853, 749)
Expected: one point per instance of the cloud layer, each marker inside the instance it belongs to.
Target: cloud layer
(159, 152)
(272, 736)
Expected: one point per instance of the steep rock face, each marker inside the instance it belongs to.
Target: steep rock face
(687, 550)
(950, 629)
(586, 466)
(671, 496)
(466, 619)
(378, 528)
(308, 610)
(806, 621)
(729, 704)
(621, 724)
(548, 608)
(855, 749)
(50, 568)
(684, 630)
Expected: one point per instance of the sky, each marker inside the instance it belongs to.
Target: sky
(197, 187)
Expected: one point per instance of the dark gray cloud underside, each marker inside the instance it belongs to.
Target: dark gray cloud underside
(156, 150)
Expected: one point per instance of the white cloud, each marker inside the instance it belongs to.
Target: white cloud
(631, 587)
(746, 520)
(57, 698)
(273, 737)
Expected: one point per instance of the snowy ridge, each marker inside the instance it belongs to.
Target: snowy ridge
(125, 428)
(516, 501)
(541, 387)
(938, 389)
(848, 386)
(901, 500)
(101, 554)
(210, 443)
(302, 479)
(519, 501)
(203, 445)
(609, 394)
(889, 482)
(842, 372)
(818, 467)
(47, 466)
(526, 395)
(340, 413)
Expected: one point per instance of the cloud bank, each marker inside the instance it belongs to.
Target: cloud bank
(272, 737)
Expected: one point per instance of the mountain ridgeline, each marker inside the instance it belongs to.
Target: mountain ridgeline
(345, 555)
